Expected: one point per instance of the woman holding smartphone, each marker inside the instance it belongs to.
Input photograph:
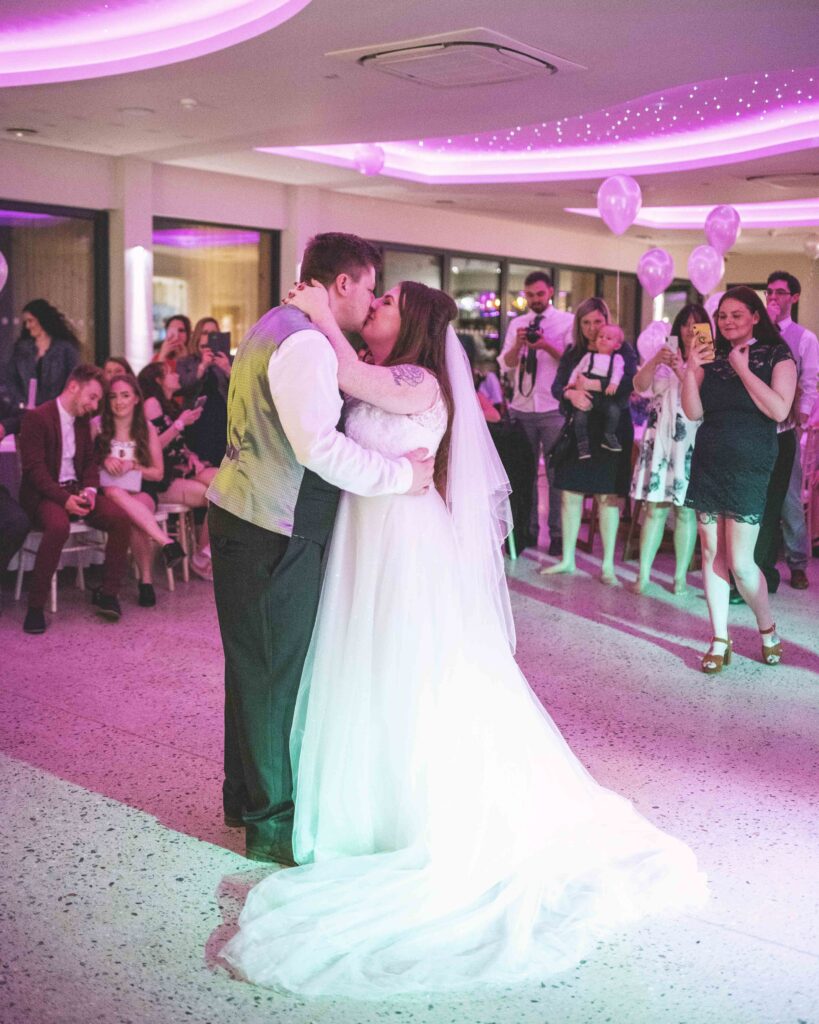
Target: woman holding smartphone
(130, 455)
(664, 463)
(204, 373)
(742, 386)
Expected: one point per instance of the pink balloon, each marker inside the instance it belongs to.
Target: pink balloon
(619, 200)
(369, 159)
(722, 228)
(655, 271)
(705, 268)
(4, 271)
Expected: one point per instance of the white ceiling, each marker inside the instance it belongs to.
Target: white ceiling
(281, 90)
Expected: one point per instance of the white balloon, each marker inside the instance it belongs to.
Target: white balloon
(4, 271)
(705, 268)
(722, 228)
(652, 338)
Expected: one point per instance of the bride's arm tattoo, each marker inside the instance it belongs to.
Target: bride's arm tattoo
(407, 374)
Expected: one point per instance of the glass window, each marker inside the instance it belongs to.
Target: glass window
(400, 265)
(572, 287)
(212, 270)
(621, 298)
(50, 256)
(475, 285)
(668, 305)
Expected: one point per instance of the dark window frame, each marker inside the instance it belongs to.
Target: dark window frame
(100, 269)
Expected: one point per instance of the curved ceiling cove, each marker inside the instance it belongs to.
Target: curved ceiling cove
(44, 41)
(702, 124)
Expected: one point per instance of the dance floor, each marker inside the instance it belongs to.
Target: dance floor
(120, 883)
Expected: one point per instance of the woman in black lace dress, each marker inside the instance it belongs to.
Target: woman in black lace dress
(741, 394)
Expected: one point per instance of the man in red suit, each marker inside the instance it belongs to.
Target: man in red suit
(59, 482)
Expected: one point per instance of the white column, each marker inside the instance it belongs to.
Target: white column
(131, 262)
(304, 219)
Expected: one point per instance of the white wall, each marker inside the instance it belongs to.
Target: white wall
(134, 192)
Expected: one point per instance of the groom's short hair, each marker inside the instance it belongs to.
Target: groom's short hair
(334, 253)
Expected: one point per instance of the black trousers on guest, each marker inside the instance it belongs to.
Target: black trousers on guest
(767, 544)
(14, 526)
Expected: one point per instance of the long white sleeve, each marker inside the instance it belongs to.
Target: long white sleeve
(303, 384)
(808, 372)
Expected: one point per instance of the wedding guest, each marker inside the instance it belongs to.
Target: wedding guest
(534, 345)
(783, 506)
(45, 353)
(175, 343)
(115, 366)
(664, 464)
(185, 478)
(129, 452)
(205, 374)
(606, 475)
(60, 480)
(741, 388)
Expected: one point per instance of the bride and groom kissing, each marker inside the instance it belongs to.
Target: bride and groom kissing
(378, 731)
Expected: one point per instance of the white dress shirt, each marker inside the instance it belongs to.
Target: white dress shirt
(309, 407)
(557, 329)
(69, 445)
(806, 354)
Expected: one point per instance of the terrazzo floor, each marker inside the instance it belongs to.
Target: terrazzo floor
(119, 882)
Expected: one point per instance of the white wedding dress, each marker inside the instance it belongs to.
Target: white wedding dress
(448, 837)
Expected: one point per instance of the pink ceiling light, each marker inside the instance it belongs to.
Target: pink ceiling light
(697, 125)
(69, 40)
(789, 213)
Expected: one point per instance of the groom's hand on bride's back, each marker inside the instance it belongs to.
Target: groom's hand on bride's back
(423, 465)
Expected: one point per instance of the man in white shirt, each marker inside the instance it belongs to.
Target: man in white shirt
(531, 352)
(784, 502)
(273, 503)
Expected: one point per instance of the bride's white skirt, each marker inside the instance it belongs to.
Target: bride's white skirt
(448, 836)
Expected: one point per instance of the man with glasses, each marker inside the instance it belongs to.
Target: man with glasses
(784, 502)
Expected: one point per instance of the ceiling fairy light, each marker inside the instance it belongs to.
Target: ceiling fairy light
(697, 125)
(786, 213)
(70, 40)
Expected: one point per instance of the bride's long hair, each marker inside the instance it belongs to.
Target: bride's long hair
(425, 316)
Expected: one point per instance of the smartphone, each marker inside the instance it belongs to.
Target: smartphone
(673, 342)
(200, 401)
(704, 336)
(218, 342)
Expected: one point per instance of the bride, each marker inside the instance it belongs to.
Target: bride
(447, 837)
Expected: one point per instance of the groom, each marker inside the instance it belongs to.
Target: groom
(273, 503)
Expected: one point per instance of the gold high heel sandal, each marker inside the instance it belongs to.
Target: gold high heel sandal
(712, 663)
(771, 653)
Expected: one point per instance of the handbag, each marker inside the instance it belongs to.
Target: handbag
(561, 450)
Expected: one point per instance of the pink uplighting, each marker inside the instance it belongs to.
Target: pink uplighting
(203, 238)
(698, 125)
(59, 41)
(790, 213)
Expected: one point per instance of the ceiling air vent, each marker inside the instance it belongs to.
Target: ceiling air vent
(459, 59)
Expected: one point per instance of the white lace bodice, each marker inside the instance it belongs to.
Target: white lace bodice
(393, 434)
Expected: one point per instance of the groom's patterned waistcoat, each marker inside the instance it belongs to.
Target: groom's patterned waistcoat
(260, 480)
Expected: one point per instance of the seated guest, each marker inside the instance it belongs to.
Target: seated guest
(128, 449)
(175, 343)
(114, 366)
(60, 480)
(185, 479)
(45, 353)
(204, 374)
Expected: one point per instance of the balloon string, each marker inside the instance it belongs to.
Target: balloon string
(617, 317)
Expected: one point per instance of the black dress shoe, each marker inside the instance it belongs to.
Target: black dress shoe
(147, 595)
(173, 554)
(799, 579)
(34, 621)
(107, 606)
(556, 547)
(271, 855)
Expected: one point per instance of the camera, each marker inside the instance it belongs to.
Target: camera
(532, 334)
